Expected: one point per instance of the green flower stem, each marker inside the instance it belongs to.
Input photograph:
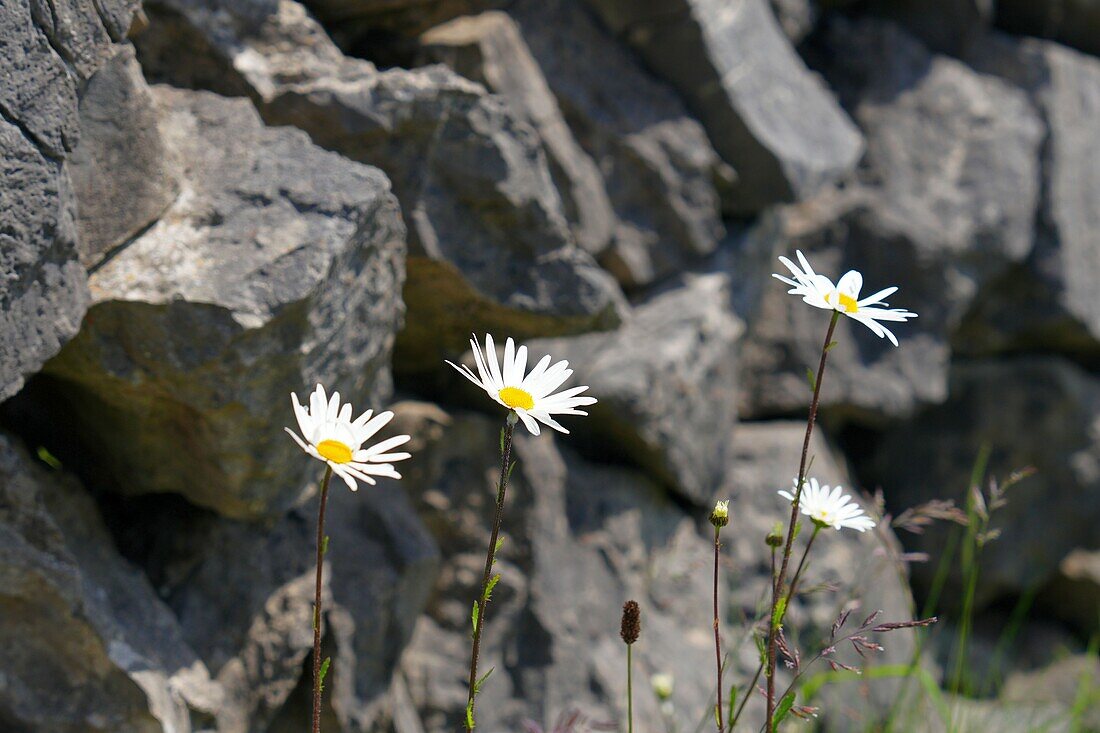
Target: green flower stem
(490, 557)
(630, 688)
(717, 634)
(317, 602)
(781, 578)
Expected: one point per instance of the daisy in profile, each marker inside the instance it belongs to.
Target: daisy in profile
(330, 435)
(829, 508)
(531, 397)
(820, 292)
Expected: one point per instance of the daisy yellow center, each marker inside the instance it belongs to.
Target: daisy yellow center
(515, 397)
(335, 451)
(847, 302)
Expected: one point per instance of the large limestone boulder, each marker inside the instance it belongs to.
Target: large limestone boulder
(489, 49)
(659, 168)
(243, 594)
(1057, 283)
(1005, 405)
(489, 243)
(123, 174)
(87, 644)
(766, 114)
(946, 204)
(49, 51)
(666, 383)
(279, 264)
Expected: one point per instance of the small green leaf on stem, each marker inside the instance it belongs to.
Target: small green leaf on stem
(316, 617)
(474, 616)
(508, 475)
(470, 715)
(761, 647)
(780, 610)
(502, 441)
(733, 701)
(500, 544)
(490, 585)
(324, 671)
(830, 345)
(481, 681)
(811, 379)
(782, 710)
(48, 458)
(324, 546)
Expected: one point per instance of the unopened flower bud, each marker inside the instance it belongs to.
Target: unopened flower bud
(775, 537)
(720, 517)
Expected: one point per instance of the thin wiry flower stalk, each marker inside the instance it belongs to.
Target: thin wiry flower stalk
(317, 602)
(488, 580)
(719, 518)
(530, 398)
(781, 577)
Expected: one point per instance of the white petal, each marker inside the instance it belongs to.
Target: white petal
(491, 359)
(528, 422)
(878, 297)
(850, 284)
(373, 425)
(544, 418)
(509, 370)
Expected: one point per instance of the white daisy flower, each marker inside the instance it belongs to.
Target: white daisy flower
(528, 396)
(330, 435)
(819, 291)
(829, 508)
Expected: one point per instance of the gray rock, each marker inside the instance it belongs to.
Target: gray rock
(766, 114)
(797, 18)
(123, 174)
(489, 49)
(1004, 406)
(666, 383)
(243, 594)
(1062, 311)
(660, 170)
(88, 645)
(1059, 684)
(279, 264)
(49, 49)
(490, 247)
(1072, 22)
(43, 288)
(946, 205)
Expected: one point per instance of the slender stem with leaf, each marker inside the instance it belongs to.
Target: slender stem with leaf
(489, 580)
(319, 670)
(778, 594)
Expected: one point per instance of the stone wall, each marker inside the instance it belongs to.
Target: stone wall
(209, 204)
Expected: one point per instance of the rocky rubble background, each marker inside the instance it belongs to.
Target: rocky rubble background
(208, 204)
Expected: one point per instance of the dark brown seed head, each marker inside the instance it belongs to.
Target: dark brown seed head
(632, 622)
